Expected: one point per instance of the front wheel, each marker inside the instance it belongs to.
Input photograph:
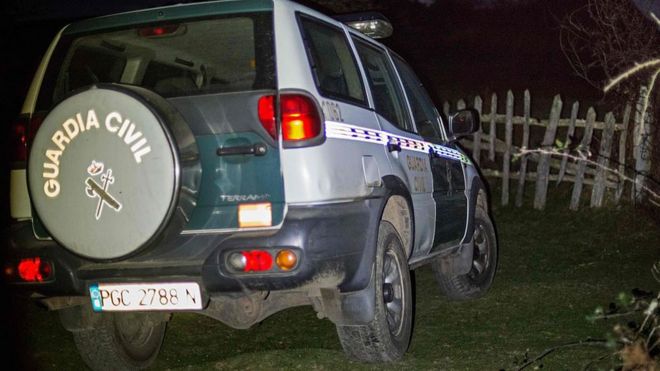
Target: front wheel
(125, 341)
(386, 337)
(478, 280)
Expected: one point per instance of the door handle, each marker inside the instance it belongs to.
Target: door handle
(257, 149)
(393, 147)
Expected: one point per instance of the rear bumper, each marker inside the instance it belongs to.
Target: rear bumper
(336, 244)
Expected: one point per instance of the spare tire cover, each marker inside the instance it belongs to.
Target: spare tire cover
(103, 171)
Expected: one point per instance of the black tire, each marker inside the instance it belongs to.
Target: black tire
(386, 337)
(126, 341)
(478, 280)
(98, 187)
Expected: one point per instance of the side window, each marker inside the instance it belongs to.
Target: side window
(330, 56)
(388, 99)
(424, 113)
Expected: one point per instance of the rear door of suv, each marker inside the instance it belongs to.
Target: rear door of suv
(215, 64)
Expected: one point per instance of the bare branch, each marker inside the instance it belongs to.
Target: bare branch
(604, 37)
(627, 74)
(588, 342)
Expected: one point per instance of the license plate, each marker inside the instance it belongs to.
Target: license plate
(145, 296)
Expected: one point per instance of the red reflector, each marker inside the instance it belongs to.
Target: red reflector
(34, 270)
(23, 132)
(158, 30)
(300, 118)
(266, 110)
(257, 261)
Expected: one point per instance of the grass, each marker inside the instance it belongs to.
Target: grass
(555, 268)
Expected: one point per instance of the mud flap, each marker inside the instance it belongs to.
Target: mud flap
(346, 309)
(458, 263)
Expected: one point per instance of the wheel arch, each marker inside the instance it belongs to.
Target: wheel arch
(398, 211)
(355, 303)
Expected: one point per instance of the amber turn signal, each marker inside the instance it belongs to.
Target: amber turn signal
(286, 259)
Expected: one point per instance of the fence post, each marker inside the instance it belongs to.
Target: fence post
(524, 145)
(582, 165)
(642, 145)
(598, 190)
(476, 139)
(543, 168)
(445, 109)
(622, 153)
(569, 135)
(460, 104)
(493, 129)
(506, 162)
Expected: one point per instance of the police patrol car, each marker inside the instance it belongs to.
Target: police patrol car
(233, 159)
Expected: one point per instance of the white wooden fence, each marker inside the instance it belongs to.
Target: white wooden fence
(589, 152)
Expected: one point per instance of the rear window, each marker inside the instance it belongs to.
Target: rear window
(89, 65)
(228, 54)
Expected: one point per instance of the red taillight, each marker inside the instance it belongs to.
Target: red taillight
(257, 261)
(299, 114)
(18, 141)
(300, 118)
(251, 261)
(34, 270)
(23, 132)
(266, 110)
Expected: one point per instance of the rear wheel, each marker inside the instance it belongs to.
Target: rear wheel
(126, 341)
(386, 337)
(478, 280)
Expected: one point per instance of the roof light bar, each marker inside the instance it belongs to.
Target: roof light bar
(372, 24)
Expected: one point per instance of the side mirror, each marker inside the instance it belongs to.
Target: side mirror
(463, 123)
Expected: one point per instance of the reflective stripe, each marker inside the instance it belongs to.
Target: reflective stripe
(351, 132)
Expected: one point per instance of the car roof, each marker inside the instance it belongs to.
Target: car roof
(171, 12)
(197, 10)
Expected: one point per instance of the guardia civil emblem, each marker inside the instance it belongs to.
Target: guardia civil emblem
(98, 190)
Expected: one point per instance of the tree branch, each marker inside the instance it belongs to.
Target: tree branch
(588, 342)
(627, 74)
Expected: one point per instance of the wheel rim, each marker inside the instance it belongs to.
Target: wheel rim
(393, 293)
(481, 254)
